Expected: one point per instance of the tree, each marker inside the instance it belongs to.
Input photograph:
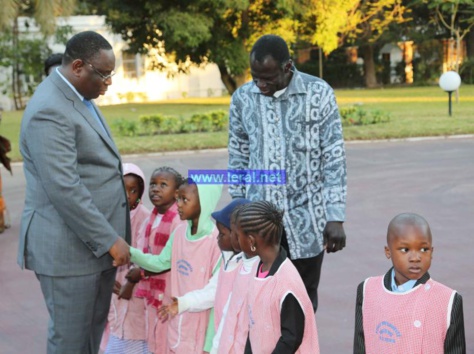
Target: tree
(44, 12)
(456, 16)
(222, 31)
(330, 24)
(326, 21)
(423, 33)
(200, 31)
(24, 59)
(322, 22)
(22, 55)
(366, 26)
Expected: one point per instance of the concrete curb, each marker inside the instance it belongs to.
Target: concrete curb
(412, 139)
(351, 142)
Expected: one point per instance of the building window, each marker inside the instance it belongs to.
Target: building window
(132, 67)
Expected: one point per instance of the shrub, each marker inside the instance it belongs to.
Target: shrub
(358, 116)
(220, 119)
(379, 116)
(383, 71)
(427, 66)
(185, 125)
(126, 127)
(170, 125)
(151, 124)
(133, 96)
(205, 122)
(200, 122)
(337, 71)
(401, 74)
(158, 124)
(466, 71)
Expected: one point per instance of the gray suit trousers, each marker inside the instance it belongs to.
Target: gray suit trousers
(78, 308)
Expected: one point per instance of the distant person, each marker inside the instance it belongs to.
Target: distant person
(280, 312)
(76, 220)
(405, 311)
(126, 325)
(5, 148)
(289, 121)
(52, 62)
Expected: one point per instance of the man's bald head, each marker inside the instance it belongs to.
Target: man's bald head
(400, 222)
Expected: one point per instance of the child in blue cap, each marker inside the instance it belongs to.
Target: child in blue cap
(217, 292)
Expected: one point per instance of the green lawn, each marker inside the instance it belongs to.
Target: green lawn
(414, 111)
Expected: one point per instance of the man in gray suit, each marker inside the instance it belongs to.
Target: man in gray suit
(76, 214)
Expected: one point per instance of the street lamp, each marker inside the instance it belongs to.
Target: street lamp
(449, 82)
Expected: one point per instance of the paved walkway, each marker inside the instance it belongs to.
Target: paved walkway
(434, 178)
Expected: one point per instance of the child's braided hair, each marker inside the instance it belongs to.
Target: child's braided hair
(262, 218)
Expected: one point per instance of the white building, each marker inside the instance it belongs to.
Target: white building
(134, 80)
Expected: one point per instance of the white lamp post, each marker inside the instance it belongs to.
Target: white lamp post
(449, 82)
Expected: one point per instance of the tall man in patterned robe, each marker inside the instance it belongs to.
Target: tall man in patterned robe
(287, 120)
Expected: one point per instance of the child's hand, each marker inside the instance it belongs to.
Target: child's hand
(133, 275)
(126, 291)
(117, 287)
(167, 312)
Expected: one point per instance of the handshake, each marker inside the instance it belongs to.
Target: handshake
(120, 251)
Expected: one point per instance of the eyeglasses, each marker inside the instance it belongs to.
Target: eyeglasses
(102, 76)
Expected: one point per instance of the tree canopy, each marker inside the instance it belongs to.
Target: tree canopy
(326, 22)
(179, 34)
(23, 56)
(201, 31)
(457, 18)
(44, 12)
(222, 31)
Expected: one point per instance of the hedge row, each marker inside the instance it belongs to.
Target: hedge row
(355, 115)
(218, 120)
(158, 124)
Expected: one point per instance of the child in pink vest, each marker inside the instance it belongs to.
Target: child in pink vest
(217, 292)
(405, 311)
(233, 330)
(154, 235)
(193, 256)
(281, 316)
(126, 321)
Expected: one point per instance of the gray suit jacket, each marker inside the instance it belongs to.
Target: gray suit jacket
(76, 204)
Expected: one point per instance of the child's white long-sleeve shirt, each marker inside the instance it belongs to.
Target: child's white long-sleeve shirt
(203, 299)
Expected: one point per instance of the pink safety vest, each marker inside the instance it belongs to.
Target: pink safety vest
(265, 299)
(225, 282)
(192, 263)
(412, 322)
(236, 323)
(126, 319)
(224, 287)
(156, 290)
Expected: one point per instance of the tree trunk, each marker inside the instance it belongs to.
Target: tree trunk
(16, 83)
(367, 52)
(231, 82)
